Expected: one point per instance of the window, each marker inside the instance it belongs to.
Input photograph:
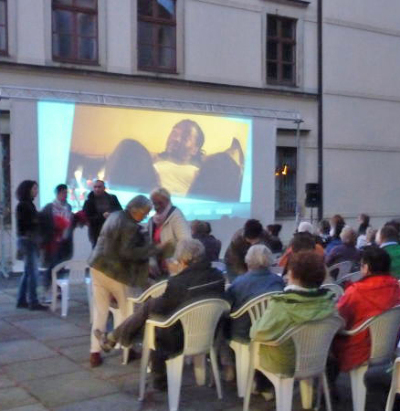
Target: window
(285, 181)
(74, 31)
(281, 50)
(157, 35)
(3, 28)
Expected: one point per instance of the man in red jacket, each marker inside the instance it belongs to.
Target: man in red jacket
(375, 293)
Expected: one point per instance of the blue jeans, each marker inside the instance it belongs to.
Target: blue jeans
(28, 283)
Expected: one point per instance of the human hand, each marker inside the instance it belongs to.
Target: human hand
(106, 214)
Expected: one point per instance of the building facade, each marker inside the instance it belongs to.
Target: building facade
(252, 58)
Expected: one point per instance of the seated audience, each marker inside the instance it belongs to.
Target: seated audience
(375, 293)
(346, 251)
(275, 242)
(323, 232)
(258, 280)
(362, 230)
(388, 239)
(252, 233)
(337, 224)
(196, 280)
(201, 230)
(301, 301)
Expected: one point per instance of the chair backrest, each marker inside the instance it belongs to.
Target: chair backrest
(352, 277)
(154, 291)
(384, 331)
(220, 265)
(76, 270)
(338, 270)
(255, 307)
(335, 288)
(312, 341)
(276, 269)
(199, 321)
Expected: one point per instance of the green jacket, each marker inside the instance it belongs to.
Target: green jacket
(394, 251)
(285, 311)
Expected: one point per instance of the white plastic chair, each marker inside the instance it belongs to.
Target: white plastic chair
(335, 288)
(76, 275)
(220, 265)
(255, 309)
(352, 277)
(312, 341)
(199, 321)
(154, 291)
(394, 386)
(383, 330)
(276, 269)
(341, 269)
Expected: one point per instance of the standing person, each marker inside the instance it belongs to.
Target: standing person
(119, 260)
(97, 208)
(27, 231)
(57, 224)
(167, 224)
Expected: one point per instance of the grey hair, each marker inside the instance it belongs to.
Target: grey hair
(139, 203)
(189, 251)
(348, 236)
(162, 192)
(258, 256)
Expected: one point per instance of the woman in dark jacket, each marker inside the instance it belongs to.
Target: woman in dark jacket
(27, 231)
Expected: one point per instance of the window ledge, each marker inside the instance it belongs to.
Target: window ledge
(299, 3)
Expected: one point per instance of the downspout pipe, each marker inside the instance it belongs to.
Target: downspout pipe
(320, 141)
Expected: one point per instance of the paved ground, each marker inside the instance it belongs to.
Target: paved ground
(44, 366)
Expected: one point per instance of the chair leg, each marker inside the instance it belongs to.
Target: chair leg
(143, 370)
(64, 299)
(125, 355)
(306, 392)
(217, 377)
(249, 385)
(242, 359)
(394, 387)
(174, 375)
(54, 296)
(327, 394)
(284, 393)
(358, 389)
(199, 365)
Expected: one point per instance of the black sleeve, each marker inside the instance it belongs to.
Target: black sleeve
(115, 205)
(27, 218)
(91, 213)
(170, 300)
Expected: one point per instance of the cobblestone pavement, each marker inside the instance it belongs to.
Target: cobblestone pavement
(44, 366)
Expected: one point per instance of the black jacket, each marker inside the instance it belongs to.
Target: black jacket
(27, 220)
(96, 219)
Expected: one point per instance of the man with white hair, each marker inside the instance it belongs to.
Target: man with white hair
(196, 280)
(346, 251)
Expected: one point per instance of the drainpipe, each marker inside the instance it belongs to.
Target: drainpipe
(320, 143)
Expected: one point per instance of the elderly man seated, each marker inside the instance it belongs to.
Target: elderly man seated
(196, 280)
(346, 251)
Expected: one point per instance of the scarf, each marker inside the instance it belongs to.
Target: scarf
(159, 218)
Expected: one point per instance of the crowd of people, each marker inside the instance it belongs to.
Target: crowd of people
(128, 257)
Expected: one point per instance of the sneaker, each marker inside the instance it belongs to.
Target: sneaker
(95, 359)
(38, 307)
(22, 304)
(106, 343)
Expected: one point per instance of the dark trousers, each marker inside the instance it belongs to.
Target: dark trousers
(28, 283)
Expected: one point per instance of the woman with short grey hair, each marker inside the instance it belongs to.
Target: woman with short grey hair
(189, 251)
(258, 256)
(119, 260)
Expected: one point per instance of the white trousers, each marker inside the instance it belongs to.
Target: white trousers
(103, 288)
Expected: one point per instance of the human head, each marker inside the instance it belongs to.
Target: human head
(139, 207)
(364, 219)
(61, 192)
(305, 227)
(374, 260)
(274, 229)
(27, 190)
(387, 233)
(337, 223)
(324, 227)
(189, 251)
(99, 188)
(302, 241)
(370, 235)
(252, 231)
(307, 269)
(258, 256)
(161, 198)
(185, 141)
(348, 236)
(199, 227)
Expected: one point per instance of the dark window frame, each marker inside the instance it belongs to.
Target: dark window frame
(4, 52)
(75, 36)
(280, 42)
(156, 22)
(286, 187)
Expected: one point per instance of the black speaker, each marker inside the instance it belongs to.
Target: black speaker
(313, 195)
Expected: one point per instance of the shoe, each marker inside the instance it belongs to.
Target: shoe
(95, 359)
(22, 304)
(106, 343)
(38, 307)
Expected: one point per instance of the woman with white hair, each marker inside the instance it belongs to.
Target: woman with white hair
(119, 261)
(195, 280)
(346, 251)
(167, 224)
